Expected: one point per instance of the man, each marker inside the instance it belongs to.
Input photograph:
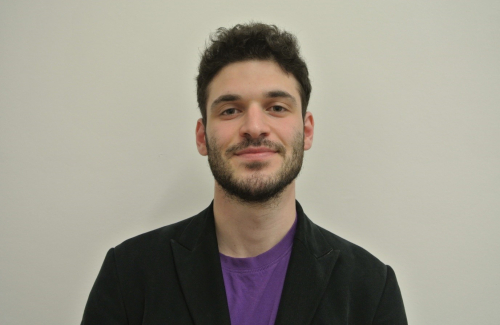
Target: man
(252, 257)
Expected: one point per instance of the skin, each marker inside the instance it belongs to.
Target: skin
(251, 100)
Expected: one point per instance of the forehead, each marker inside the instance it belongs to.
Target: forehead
(251, 79)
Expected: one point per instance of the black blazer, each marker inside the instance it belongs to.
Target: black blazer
(172, 275)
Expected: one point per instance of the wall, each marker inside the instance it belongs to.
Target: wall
(97, 118)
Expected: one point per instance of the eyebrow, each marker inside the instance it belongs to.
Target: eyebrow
(225, 98)
(280, 94)
(269, 94)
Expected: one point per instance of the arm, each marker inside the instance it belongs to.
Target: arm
(390, 310)
(105, 304)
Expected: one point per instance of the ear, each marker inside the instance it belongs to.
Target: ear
(201, 141)
(308, 130)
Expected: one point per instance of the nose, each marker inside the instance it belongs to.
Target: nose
(255, 122)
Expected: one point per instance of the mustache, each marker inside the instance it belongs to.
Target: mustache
(256, 142)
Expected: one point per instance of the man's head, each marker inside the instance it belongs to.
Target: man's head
(254, 41)
(255, 127)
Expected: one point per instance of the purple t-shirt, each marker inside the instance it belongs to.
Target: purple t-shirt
(254, 284)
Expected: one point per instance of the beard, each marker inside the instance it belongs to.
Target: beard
(255, 188)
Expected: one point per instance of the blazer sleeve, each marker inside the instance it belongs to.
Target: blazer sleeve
(390, 310)
(105, 304)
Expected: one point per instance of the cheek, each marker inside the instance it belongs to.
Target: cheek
(223, 136)
(288, 135)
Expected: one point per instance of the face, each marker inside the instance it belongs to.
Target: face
(255, 135)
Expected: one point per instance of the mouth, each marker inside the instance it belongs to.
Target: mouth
(255, 153)
(255, 149)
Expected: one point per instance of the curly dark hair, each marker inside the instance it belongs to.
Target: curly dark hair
(253, 41)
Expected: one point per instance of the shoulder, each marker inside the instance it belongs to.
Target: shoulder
(156, 242)
(350, 252)
(363, 273)
(320, 241)
(370, 285)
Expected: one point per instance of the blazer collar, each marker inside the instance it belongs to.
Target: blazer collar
(197, 261)
(196, 256)
(308, 274)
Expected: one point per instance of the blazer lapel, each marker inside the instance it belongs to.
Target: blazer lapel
(197, 261)
(309, 270)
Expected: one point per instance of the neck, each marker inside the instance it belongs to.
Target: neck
(249, 229)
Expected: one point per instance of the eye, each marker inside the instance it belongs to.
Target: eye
(229, 111)
(277, 109)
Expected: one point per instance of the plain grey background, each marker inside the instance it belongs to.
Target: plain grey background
(97, 119)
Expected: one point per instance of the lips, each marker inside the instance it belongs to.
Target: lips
(255, 153)
(252, 151)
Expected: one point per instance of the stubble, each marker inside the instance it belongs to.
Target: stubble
(256, 188)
